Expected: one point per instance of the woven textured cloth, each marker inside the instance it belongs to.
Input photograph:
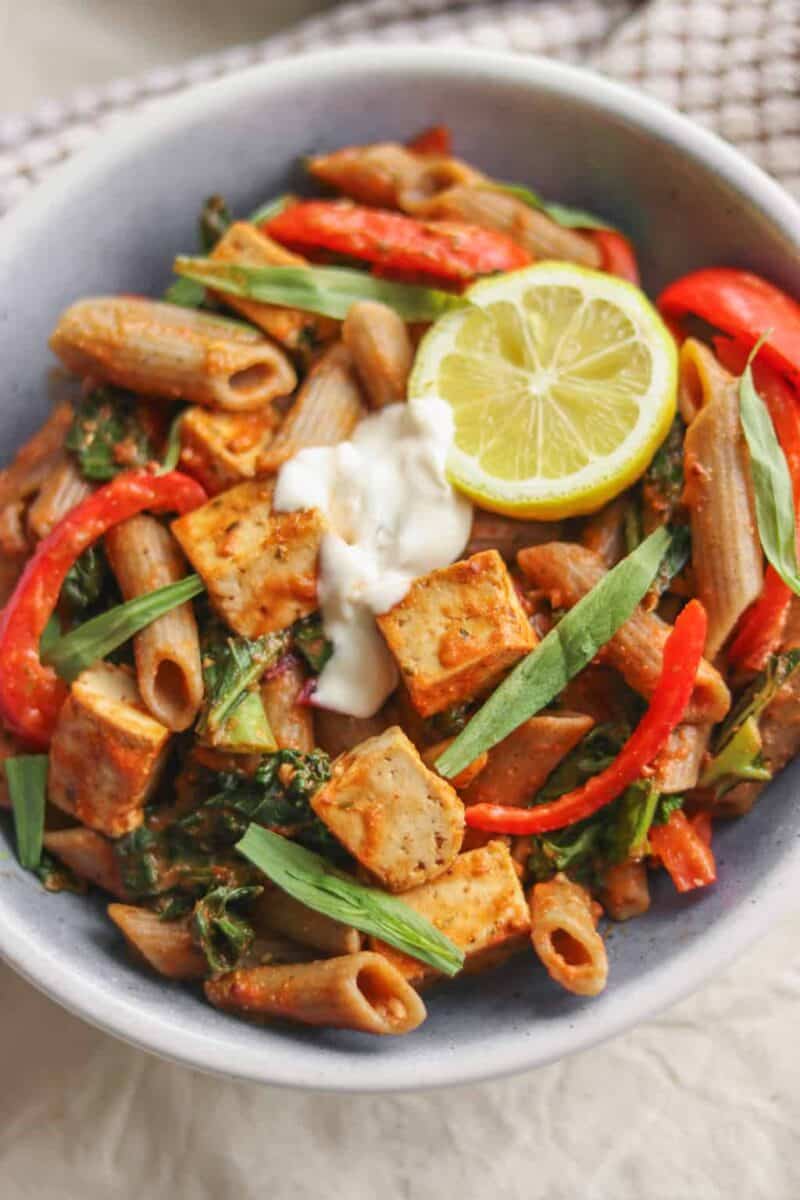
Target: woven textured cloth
(734, 65)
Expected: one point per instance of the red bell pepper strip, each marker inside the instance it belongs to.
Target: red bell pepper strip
(444, 250)
(685, 850)
(437, 140)
(744, 306)
(761, 627)
(31, 694)
(683, 652)
(618, 255)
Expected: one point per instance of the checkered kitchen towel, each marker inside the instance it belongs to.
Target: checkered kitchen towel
(734, 65)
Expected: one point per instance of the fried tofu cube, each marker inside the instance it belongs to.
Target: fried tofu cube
(107, 751)
(457, 630)
(401, 821)
(222, 448)
(478, 903)
(260, 567)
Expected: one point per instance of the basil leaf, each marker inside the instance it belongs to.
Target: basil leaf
(97, 638)
(772, 483)
(265, 212)
(328, 291)
(172, 450)
(568, 648)
(185, 293)
(314, 882)
(562, 214)
(27, 787)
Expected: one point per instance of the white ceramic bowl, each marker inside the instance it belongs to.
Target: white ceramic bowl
(111, 221)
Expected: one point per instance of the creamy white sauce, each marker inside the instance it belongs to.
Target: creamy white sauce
(393, 516)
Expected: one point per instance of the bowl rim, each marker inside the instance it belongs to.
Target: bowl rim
(115, 1013)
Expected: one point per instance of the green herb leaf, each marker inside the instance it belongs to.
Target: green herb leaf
(269, 209)
(223, 936)
(772, 483)
(51, 634)
(676, 558)
(86, 580)
(97, 638)
(27, 787)
(231, 668)
(329, 291)
(186, 293)
(562, 214)
(215, 219)
(107, 436)
(172, 450)
(662, 483)
(309, 638)
(568, 648)
(314, 882)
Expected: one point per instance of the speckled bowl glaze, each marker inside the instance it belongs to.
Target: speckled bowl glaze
(111, 221)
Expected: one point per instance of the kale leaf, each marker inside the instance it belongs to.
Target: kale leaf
(106, 435)
(223, 934)
(309, 638)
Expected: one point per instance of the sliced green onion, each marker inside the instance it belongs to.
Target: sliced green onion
(172, 450)
(97, 638)
(568, 648)
(328, 291)
(562, 214)
(27, 787)
(270, 209)
(312, 880)
(185, 293)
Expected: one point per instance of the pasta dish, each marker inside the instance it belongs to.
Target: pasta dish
(400, 591)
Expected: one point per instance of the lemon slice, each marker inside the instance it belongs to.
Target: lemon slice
(562, 382)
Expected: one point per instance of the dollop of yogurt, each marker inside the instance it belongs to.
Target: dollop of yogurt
(392, 516)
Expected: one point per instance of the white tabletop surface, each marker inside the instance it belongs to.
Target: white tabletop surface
(702, 1103)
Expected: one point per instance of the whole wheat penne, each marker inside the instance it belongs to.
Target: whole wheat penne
(490, 208)
(13, 539)
(726, 551)
(90, 855)
(375, 174)
(163, 350)
(604, 531)
(378, 340)
(34, 461)
(243, 243)
(166, 946)
(677, 767)
(464, 778)
(564, 935)
(277, 911)
(221, 449)
(358, 991)
(326, 411)
(508, 535)
(625, 892)
(144, 556)
(61, 491)
(519, 765)
(567, 572)
(292, 724)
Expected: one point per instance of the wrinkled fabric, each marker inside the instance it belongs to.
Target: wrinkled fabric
(701, 1103)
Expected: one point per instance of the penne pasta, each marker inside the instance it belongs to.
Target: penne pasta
(677, 767)
(144, 556)
(174, 353)
(357, 991)
(378, 340)
(491, 208)
(565, 937)
(327, 409)
(508, 535)
(34, 461)
(374, 174)
(166, 946)
(62, 490)
(726, 551)
(567, 572)
(90, 855)
(519, 765)
(604, 531)
(277, 911)
(291, 723)
(625, 892)
(338, 732)
(221, 449)
(248, 246)
(464, 778)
